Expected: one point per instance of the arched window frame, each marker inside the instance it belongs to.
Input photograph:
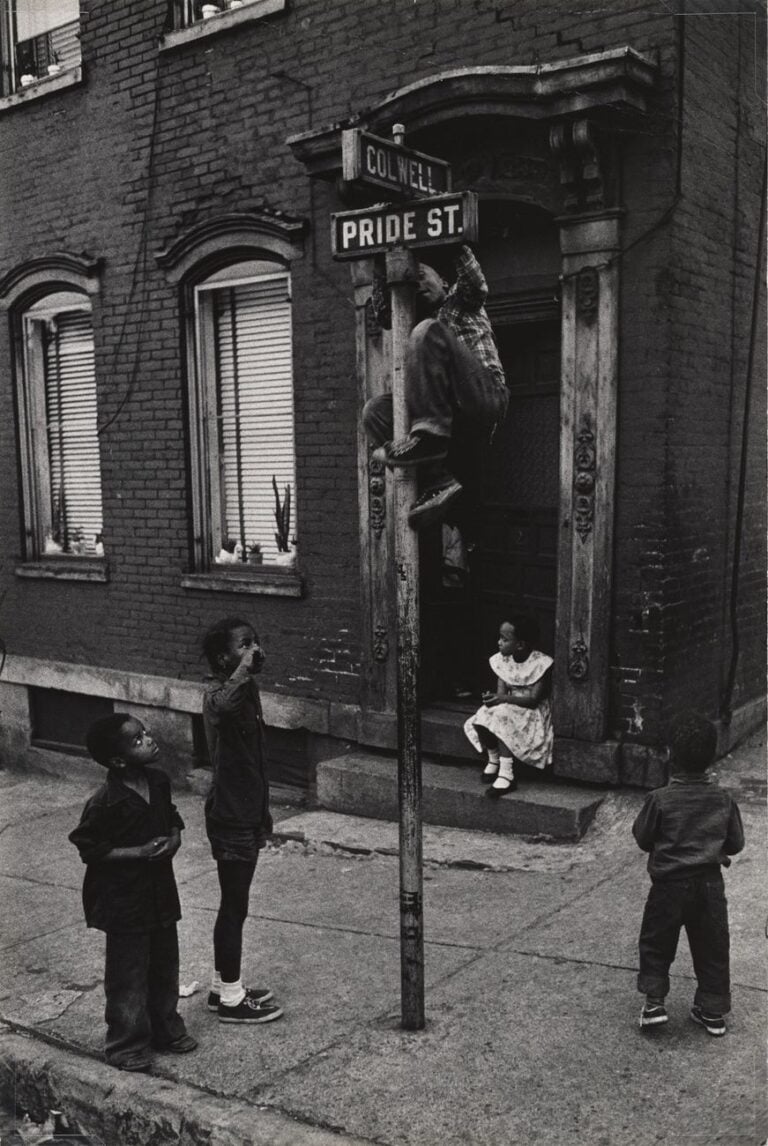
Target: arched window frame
(192, 263)
(22, 289)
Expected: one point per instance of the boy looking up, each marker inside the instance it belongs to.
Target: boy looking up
(690, 828)
(127, 836)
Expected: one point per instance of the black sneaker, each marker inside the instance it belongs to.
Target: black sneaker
(258, 994)
(433, 504)
(653, 1015)
(182, 1045)
(416, 449)
(713, 1024)
(249, 1011)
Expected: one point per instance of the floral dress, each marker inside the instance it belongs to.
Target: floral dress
(526, 732)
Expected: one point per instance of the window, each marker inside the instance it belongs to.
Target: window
(60, 720)
(39, 38)
(192, 11)
(242, 417)
(60, 445)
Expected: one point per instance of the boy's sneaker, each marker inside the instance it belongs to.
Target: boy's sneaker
(259, 995)
(249, 1011)
(433, 504)
(712, 1024)
(416, 449)
(653, 1015)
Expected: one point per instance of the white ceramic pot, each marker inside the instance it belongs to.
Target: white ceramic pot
(285, 559)
(209, 10)
(25, 81)
(54, 69)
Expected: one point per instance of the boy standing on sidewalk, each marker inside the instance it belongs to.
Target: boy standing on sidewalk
(690, 828)
(128, 834)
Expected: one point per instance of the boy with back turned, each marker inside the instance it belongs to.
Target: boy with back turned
(690, 828)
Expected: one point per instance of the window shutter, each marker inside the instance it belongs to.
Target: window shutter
(255, 408)
(70, 393)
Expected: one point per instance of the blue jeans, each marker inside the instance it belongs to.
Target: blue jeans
(141, 983)
(699, 905)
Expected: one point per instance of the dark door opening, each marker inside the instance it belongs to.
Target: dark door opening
(512, 567)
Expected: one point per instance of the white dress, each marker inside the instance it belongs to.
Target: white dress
(526, 732)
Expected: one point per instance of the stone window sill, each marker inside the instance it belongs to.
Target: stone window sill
(65, 569)
(255, 10)
(68, 78)
(269, 581)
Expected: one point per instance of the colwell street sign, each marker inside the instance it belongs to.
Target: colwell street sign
(433, 222)
(366, 158)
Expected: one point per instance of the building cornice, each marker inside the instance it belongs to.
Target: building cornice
(602, 85)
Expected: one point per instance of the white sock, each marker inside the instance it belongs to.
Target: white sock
(506, 772)
(232, 993)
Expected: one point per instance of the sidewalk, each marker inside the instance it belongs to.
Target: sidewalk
(530, 955)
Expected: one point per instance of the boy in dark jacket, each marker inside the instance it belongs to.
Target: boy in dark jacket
(127, 836)
(690, 828)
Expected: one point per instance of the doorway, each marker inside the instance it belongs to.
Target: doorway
(511, 566)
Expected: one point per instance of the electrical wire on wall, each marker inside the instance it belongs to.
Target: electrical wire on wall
(140, 266)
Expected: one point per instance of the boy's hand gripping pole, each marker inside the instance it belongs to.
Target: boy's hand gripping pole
(402, 276)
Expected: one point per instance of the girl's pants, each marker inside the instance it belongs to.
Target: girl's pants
(141, 983)
(235, 877)
(699, 905)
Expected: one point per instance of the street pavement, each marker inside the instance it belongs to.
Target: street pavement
(531, 1004)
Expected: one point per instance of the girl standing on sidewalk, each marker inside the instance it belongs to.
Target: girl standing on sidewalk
(237, 818)
(515, 722)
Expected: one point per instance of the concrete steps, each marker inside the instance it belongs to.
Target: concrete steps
(363, 784)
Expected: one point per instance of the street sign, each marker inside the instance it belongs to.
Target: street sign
(368, 159)
(433, 222)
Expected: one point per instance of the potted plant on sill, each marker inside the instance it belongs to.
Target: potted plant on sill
(285, 556)
(255, 556)
(54, 65)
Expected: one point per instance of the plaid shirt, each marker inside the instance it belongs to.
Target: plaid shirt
(463, 311)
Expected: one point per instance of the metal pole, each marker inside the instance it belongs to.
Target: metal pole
(401, 276)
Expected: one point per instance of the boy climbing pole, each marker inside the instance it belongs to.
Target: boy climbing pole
(455, 389)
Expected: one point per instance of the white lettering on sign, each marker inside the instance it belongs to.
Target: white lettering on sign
(445, 219)
(411, 173)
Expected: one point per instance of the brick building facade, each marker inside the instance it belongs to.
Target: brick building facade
(618, 154)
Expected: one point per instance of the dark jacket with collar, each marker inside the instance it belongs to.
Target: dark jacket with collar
(690, 828)
(234, 729)
(128, 895)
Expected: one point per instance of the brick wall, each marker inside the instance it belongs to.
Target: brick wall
(219, 112)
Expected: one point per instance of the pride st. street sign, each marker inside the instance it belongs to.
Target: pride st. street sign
(368, 159)
(434, 222)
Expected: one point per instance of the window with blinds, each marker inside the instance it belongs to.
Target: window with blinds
(61, 415)
(247, 373)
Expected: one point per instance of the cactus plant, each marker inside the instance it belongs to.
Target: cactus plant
(282, 518)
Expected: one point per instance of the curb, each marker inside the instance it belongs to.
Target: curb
(133, 1110)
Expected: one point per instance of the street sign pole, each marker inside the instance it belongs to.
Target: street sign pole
(402, 277)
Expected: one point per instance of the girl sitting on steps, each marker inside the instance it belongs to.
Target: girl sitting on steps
(515, 722)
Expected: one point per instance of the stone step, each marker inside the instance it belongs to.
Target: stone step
(363, 784)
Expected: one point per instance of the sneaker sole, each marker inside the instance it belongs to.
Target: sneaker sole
(263, 999)
(256, 1019)
(660, 1020)
(700, 1022)
(425, 459)
(435, 510)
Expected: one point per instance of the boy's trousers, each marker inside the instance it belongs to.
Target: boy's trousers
(141, 983)
(699, 905)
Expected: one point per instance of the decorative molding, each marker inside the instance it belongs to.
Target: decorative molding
(377, 495)
(578, 661)
(583, 167)
(587, 293)
(79, 271)
(270, 233)
(380, 644)
(584, 475)
(606, 84)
